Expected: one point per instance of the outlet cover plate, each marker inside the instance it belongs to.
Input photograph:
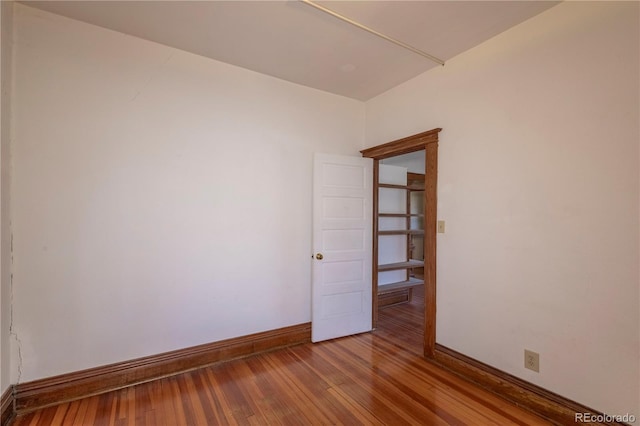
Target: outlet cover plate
(532, 360)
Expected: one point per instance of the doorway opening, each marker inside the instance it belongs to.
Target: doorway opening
(404, 225)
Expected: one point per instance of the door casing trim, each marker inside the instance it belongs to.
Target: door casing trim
(427, 141)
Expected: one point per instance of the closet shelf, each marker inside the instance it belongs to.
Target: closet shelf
(388, 185)
(402, 232)
(401, 285)
(401, 265)
(399, 215)
(405, 187)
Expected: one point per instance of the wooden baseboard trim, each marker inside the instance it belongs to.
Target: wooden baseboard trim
(393, 298)
(67, 387)
(549, 405)
(7, 411)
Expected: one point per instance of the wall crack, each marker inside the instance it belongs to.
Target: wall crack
(12, 332)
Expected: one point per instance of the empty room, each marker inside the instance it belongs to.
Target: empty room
(331, 212)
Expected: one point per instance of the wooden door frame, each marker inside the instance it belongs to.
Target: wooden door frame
(429, 142)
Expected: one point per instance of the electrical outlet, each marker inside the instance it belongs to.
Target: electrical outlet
(441, 227)
(532, 360)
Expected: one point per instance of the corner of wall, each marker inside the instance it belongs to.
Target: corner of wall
(6, 299)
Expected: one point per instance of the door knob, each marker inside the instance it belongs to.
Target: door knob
(319, 256)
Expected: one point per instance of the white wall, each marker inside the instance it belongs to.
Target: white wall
(414, 161)
(161, 199)
(6, 29)
(538, 183)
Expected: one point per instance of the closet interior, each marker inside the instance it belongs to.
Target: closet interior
(399, 212)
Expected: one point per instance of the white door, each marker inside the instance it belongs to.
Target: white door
(342, 244)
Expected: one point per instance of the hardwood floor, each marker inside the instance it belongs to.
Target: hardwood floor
(376, 378)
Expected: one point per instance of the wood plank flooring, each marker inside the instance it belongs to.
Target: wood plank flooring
(376, 378)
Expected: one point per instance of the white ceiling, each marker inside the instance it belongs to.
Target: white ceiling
(295, 42)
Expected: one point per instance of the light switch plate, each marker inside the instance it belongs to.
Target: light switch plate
(441, 227)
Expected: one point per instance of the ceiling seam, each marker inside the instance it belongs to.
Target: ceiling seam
(374, 32)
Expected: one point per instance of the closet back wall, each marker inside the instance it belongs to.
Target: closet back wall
(161, 200)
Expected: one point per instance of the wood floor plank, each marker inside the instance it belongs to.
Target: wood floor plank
(168, 407)
(361, 414)
(294, 392)
(262, 390)
(92, 410)
(387, 404)
(46, 418)
(131, 406)
(410, 382)
(316, 388)
(32, 419)
(377, 378)
(282, 409)
(223, 407)
(173, 390)
(82, 410)
(337, 379)
(59, 414)
(254, 394)
(103, 410)
(70, 415)
(206, 400)
(232, 388)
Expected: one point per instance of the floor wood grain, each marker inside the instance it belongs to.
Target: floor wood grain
(376, 378)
